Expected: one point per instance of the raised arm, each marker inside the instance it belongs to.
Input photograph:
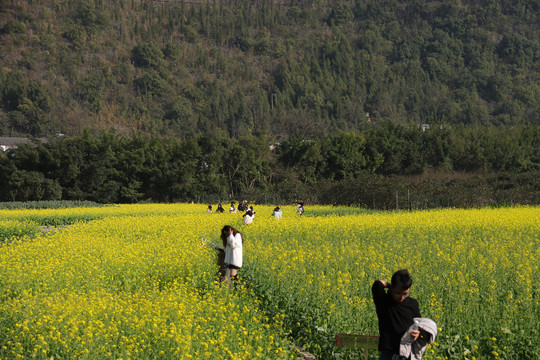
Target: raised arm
(377, 289)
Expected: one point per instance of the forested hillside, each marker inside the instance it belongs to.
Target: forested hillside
(309, 68)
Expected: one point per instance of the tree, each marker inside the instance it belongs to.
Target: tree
(344, 155)
(91, 91)
(147, 55)
(32, 186)
(7, 168)
(341, 13)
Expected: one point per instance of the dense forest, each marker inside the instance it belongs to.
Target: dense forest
(382, 103)
(461, 166)
(266, 67)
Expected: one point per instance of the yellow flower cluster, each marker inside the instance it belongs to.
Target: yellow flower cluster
(136, 282)
(13, 229)
(475, 271)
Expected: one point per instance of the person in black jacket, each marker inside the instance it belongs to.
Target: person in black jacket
(396, 312)
(243, 206)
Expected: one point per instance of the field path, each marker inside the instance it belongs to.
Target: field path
(304, 355)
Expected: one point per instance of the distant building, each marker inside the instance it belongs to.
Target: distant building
(7, 143)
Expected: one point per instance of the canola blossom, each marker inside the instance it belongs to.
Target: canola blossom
(133, 286)
(475, 273)
(134, 282)
(10, 229)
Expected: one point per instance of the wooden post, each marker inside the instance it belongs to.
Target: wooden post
(358, 342)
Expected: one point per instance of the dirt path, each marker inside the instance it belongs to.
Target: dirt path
(51, 228)
(303, 354)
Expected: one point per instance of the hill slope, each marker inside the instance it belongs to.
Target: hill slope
(310, 67)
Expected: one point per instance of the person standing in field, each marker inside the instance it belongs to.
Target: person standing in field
(220, 209)
(209, 210)
(233, 244)
(232, 209)
(249, 216)
(243, 206)
(277, 213)
(300, 207)
(396, 312)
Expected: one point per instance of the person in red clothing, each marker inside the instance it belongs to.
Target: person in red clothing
(396, 312)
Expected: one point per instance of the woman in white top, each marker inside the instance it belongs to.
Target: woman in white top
(249, 216)
(232, 243)
(277, 213)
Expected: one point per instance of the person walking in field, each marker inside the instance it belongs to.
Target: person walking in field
(396, 312)
(233, 244)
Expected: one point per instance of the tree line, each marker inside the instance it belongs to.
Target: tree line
(365, 167)
(313, 67)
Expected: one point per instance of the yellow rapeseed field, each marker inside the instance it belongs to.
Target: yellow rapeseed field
(133, 282)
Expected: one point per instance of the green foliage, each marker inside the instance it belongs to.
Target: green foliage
(340, 14)
(12, 229)
(13, 27)
(244, 41)
(150, 83)
(172, 51)
(91, 15)
(111, 168)
(76, 34)
(319, 67)
(346, 85)
(91, 91)
(29, 185)
(147, 55)
(47, 204)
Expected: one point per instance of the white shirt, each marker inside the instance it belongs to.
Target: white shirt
(248, 219)
(233, 250)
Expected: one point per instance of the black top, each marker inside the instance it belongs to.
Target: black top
(394, 317)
